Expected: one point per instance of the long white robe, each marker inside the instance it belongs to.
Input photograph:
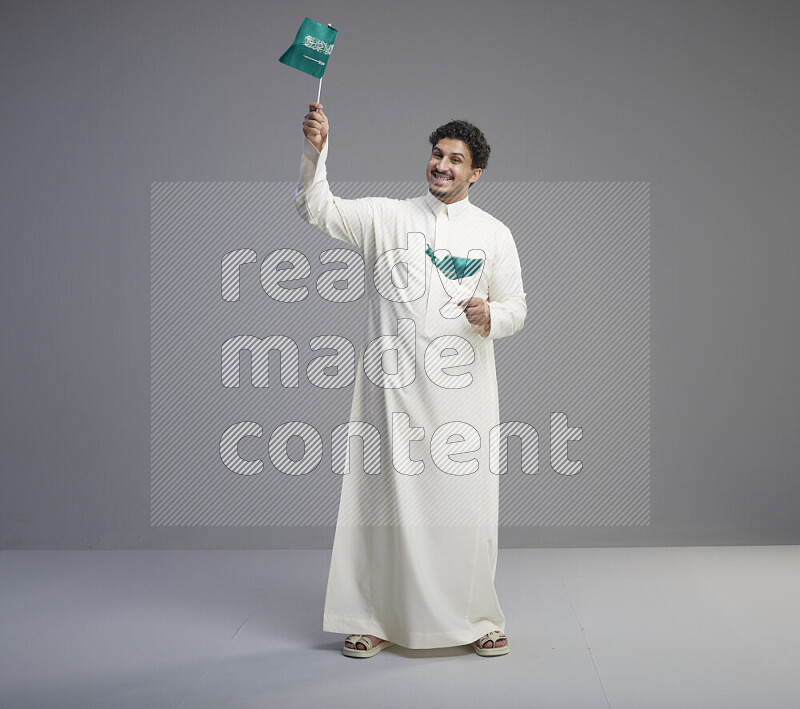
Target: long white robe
(415, 548)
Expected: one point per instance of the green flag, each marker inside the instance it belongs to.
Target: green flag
(455, 267)
(311, 48)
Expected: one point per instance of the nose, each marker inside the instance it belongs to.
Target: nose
(441, 164)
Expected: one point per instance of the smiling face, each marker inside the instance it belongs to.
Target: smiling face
(450, 171)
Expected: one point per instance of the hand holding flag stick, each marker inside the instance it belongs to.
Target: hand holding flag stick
(310, 50)
(315, 126)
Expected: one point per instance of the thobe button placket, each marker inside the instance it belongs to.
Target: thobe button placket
(442, 237)
(441, 240)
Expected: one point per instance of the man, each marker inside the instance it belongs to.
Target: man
(415, 549)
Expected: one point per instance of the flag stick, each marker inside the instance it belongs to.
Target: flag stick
(319, 90)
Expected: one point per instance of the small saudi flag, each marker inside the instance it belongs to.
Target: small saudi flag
(455, 267)
(311, 48)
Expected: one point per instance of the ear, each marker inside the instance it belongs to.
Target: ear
(476, 173)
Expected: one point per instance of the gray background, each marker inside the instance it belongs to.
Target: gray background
(102, 99)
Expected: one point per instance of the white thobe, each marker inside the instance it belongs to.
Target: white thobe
(415, 548)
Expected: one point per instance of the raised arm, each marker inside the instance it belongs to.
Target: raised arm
(350, 220)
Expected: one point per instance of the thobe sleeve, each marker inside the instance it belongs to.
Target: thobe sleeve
(351, 220)
(507, 306)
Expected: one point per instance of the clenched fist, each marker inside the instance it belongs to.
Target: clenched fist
(477, 311)
(315, 125)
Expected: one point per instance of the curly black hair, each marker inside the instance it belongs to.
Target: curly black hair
(463, 130)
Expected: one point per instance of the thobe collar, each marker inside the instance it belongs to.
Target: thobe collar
(437, 206)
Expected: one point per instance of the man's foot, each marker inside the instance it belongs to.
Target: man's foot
(499, 643)
(491, 644)
(374, 639)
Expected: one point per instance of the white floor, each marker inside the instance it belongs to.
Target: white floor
(636, 627)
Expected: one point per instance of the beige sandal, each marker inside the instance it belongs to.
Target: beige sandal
(364, 640)
(494, 636)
